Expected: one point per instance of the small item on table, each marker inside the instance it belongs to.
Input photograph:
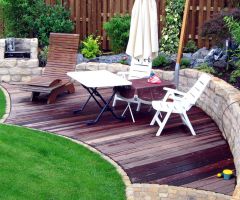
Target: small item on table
(154, 79)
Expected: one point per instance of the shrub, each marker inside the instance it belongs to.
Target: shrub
(170, 34)
(43, 57)
(216, 27)
(28, 18)
(207, 69)
(234, 75)
(190, 47)
(160, 61)
(234, 28)
(53, 19)
(118, 32)
(185, 63)
(91, 47)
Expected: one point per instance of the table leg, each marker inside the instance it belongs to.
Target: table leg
(105, 108)
(91, 91)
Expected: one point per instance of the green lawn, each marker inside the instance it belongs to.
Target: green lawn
(35, 165)
(2, 104)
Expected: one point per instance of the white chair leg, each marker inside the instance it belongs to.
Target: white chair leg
(130, 110)
(155, 118)
(183, 119)
(138, 106)
(163, 123)
(188, 123)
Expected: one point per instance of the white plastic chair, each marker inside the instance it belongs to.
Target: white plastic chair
(181, 103)
(138, 69)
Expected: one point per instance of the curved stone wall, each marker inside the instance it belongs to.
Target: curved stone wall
(221, 102)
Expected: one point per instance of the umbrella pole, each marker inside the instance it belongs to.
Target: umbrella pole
(181, 42)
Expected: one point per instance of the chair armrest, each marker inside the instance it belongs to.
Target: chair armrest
(173, 91)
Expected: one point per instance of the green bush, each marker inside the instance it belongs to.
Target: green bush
(53, 19)
(207, 69)
(185, 63)
(170, 34)
(118, 32)
(160, 61)
(28, 18)
(234, 75)
(234, 28)
(91, 47)
(190, 47)
(42, 56)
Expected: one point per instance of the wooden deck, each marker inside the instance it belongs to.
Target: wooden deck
(175, 158)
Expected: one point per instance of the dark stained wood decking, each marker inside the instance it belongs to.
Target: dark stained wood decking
(174, 158)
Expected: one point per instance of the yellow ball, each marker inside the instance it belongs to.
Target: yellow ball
(219, 175)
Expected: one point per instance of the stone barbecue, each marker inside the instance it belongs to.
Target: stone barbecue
(19, 59)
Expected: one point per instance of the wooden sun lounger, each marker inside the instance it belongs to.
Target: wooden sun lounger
(62, 58)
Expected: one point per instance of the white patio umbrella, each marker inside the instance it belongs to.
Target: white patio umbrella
(143, 38)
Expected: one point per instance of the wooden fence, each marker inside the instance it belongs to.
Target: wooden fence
(89, 16)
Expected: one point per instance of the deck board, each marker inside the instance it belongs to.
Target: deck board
(174, 158)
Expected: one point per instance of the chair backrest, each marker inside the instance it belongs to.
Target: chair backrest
(62, 55)
(140, 69)
(191, 97)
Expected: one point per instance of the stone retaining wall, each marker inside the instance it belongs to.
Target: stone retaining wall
(220, 101)
(19, 69)
(165, 192)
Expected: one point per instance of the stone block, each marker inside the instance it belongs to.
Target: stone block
(103, 66)
(15, 71)
(183, 81)
(92, 66)
(115, 67)
(1, 54)
(21, 63)
(8, 62)
(4, 71)
(191, 73)
(182, 72)
(16, 78)
(168, 75)
(37, 71)
(81, 67)
(6, 78)
(125, 68)
(26, 71)
(34, 54)
(32, 63)
(2, 43)
(191, 82)
(26, 78)
(34, 43)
